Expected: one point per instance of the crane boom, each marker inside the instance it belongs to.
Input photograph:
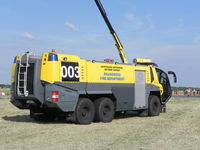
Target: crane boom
(112, 31)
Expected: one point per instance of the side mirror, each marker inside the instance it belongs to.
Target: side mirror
(174, 75)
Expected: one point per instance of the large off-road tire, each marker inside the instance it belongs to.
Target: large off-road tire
(154, 106)
(84, 111)
(104, 109)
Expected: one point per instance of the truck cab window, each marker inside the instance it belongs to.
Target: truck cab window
(164, 80)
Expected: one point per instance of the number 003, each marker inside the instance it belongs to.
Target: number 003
(70, 72)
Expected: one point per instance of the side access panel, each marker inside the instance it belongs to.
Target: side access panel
(123, 93)
(140, 90)
(125, 97)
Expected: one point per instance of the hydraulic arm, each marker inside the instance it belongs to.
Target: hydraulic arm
(112, 31)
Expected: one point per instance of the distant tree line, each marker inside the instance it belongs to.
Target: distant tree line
(4, 86)
(185, 88)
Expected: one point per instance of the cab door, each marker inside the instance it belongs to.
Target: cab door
(164, 81)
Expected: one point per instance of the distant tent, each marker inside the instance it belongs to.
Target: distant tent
(2, 93)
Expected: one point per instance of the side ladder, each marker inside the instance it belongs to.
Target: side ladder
(22, 75)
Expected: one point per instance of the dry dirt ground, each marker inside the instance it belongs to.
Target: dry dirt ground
(178, 129)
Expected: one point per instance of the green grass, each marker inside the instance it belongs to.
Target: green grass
(178, 129)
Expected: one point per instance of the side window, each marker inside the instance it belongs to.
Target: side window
(152, 76)
(158, 73)
(163, 78)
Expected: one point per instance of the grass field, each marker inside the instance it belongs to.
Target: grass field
(178, 129)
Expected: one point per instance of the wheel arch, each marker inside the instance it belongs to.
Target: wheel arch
(156, 93)
(93, 97)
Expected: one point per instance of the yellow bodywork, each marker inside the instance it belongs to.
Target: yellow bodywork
(17, 58)
(93, 72)
(96, 72)
(142, 61)
(50, 70)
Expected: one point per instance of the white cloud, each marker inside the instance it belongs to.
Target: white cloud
(130, 16)
(28, 36)
(196, 28)
(150, 22)
(177, 51)
(4, 10)
(197, 40)
(180, 22)
(183, 59)
(136, 23)
(178, 27)
(71, 26)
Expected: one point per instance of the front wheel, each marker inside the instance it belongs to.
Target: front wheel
(84, 111)
(154, 106)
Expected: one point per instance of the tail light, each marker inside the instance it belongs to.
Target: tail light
(55, 96)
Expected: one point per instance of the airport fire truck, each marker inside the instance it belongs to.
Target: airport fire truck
(60, 86)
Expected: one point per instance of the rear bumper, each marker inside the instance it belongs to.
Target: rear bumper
(24, 102)
(27, 103)
(19, 104)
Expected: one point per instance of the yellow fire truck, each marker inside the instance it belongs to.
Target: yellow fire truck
(59, 85)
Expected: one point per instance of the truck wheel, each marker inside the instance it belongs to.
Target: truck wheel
(104, 109)
(84, 111)
(154, 106)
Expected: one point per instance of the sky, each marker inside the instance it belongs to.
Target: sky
(167, 31)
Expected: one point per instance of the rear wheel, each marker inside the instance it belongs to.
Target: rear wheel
(154, 106)
(84, 111)
(104, 109)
